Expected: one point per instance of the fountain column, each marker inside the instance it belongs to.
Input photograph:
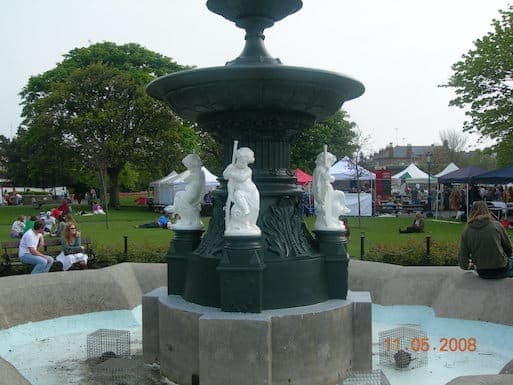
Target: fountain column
(272, 309)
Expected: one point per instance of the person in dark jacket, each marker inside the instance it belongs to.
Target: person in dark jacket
(485, 245)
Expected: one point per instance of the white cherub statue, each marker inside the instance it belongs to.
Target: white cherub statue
(187, 203)
(243, 202)
(329, 203)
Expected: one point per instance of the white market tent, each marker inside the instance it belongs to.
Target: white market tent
(345, 169)
(161, 187)
(449, 168)
(413, 174)
(172, 185)
(210, 180)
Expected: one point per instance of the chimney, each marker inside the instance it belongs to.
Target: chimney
(390, 150)
(409, 152)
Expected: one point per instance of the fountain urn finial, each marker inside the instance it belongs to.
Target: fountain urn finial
(254, 16)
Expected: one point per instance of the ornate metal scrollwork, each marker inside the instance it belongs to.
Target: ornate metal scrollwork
(284, 230)
(212, 243)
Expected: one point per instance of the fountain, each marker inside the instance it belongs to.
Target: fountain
(275, 304)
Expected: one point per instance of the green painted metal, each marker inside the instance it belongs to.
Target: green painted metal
(264, 105)
(333, 247)
(180, 251)
(240, 271)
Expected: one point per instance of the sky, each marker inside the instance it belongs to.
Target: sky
(401, 50)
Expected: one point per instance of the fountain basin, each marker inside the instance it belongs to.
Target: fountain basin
(195, 93)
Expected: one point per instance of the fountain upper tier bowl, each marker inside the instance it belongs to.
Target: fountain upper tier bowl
(268, 11)
(194, 93)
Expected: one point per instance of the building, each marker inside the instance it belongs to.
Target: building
(396, 158)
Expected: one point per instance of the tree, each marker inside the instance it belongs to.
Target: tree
(454, 141)
(335, 131)
(4, 149)
(483, 82)
(94, 104)
(486, 158)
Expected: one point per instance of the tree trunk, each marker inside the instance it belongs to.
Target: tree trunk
(114, 187)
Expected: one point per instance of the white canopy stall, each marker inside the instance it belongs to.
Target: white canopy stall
(413, 175)
(449, 168)
(346, 170)
(162, 188)
(210, 182)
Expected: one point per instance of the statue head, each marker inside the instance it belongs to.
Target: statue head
(329, 161)
(192, 161)
(245, 156)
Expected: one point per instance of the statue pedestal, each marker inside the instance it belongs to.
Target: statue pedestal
(240, 275)
(332, 246)
(306, 345)
(182, 246)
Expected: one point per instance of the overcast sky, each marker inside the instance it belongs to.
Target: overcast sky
(401, 50)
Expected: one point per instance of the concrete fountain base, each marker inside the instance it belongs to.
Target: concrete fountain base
(310, 345)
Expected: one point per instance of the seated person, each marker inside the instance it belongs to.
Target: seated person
(28, 253)
(18, 227)
(61, 225)
(417, 226)
(64, 208)
(55, 212)
(163, 221)
(485, 245)
(160, 222)
(49, 222)
(72, 250)
(97, 209)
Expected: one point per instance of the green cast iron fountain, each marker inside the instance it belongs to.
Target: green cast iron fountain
(264, 105)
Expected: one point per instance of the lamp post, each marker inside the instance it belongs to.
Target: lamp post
(357, 158)
(429, 157)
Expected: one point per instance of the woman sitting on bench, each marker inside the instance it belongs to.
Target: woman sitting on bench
(417, 225)
(72, 250)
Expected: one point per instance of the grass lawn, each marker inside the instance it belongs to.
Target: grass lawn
(108, 232)
(385, 230)
(104, 231)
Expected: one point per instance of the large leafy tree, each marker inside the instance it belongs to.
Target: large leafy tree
(483, 82)
(5, 144)
(336, 131)
(94, 108)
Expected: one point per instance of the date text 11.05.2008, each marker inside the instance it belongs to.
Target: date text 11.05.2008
(423, 344)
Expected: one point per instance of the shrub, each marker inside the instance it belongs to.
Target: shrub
(413, 253)
(30, 192)
(107, 255)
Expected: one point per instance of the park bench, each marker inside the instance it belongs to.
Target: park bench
(52, 247)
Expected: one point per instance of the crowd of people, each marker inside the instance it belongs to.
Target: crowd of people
(13, 198)
(31, 233)
(456, 198)
(484, 245)
(58, 222)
